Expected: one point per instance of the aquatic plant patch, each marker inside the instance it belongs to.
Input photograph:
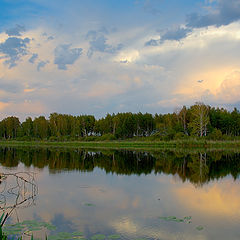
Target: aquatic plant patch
(175, 219)
(27, 227)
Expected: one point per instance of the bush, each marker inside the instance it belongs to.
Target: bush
(180, 135)
(90, 138)
(53, 139)
(216, 134)
(107, 137)
(24, 138)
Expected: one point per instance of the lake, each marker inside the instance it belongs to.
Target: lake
(120, 194)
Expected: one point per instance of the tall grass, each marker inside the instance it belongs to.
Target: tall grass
(126, 144)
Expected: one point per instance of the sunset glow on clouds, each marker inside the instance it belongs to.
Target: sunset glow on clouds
(94, 57)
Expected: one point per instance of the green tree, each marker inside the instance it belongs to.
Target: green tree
(10, 126)
(41, 127)
(27, 127)
(200, 119)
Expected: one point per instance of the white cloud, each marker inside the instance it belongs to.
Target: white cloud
(135, 78)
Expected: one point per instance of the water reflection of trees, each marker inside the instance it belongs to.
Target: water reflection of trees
(198, 168)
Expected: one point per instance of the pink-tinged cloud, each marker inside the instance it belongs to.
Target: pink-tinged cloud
(222, 198)
(230, 88)
(3, 106)
(22, 109)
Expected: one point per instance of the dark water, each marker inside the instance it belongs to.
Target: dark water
(123, 194)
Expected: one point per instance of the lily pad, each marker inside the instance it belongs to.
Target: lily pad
(77, 233)
(199, 228)
(98, 237)
(114, 236)
(26, 227)
(172, 218)
(89, 204)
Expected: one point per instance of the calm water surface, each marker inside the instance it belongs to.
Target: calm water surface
(128, 194)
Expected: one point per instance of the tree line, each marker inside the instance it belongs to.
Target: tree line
(199, 120)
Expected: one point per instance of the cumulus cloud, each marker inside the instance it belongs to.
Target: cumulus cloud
(176, 34)
(173, 34)
(15, 31)
(13, 49)
(50, 38)
(153, 42)
(33, 58)
(224, 13)
(230, 88)
(64, 55)
(98, 42)
(41, 64)
(221, 13)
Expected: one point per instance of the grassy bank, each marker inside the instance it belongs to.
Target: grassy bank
(178, 144)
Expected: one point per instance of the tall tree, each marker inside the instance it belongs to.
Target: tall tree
(200, 119)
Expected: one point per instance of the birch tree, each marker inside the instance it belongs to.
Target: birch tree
(200, 114)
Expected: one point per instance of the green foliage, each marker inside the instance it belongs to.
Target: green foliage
(197, 120)
(107, 137)
(216, 134)
(180, 135)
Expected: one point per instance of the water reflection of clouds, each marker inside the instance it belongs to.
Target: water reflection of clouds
(128, 226)
(130, 205)
(218, 198)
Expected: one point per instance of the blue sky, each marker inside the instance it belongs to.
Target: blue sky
(98, 57)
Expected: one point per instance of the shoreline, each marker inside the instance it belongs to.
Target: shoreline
(124, 144)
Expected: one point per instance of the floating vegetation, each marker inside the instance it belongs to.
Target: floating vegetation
(89, 204)
(199, 228)
(187, 219)
(98, 237)
(66, 235)
(175, 219)
(114, 236)
(27, 227)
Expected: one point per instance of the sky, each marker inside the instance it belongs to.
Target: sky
(98, 57)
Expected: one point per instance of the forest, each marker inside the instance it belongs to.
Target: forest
(198, 121)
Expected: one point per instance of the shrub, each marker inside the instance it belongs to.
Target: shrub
(216, 134)
(107, 137)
